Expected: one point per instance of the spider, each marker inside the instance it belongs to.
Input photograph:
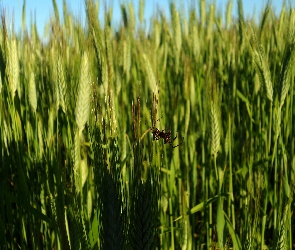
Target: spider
(165, 135)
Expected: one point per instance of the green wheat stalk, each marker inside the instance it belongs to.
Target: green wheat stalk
(13, 67)
(32, 92)
(287, 67)
(281, 243)
(262, 66)
(141, 11)
(84, 94)
(176, 33)
(150, 73)
(228, 14)
(215, 131)
(61, 85)
(131, 21)
(202, 9)
(55, 76)
(77, 162)
(1, 84)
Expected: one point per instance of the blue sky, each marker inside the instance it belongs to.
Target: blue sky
(42, 10)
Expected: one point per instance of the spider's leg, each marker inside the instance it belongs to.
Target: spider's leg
(174, 138)
(178, 144)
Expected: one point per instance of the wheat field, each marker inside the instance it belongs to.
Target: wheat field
(87, 118)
